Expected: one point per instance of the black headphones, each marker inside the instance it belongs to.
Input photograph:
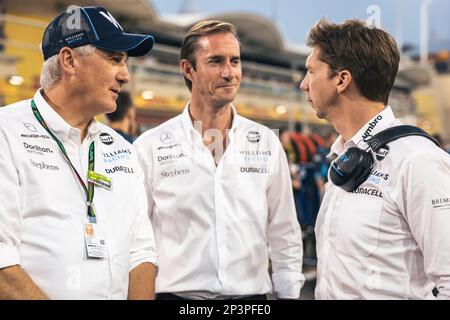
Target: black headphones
(352, 168)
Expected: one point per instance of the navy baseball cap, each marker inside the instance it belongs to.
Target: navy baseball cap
(81, 26)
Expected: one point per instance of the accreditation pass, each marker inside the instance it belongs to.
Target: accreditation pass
(95, 241)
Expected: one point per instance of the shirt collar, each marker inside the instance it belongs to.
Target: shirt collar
(56, 123)
(189, 126)
(380, 122)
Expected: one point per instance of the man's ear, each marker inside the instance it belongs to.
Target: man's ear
(67, 60)
(344, 80)
(187, 69)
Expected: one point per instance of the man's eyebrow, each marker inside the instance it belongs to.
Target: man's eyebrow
(217, 56)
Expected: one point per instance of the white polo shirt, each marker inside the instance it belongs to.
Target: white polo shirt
(217, 227)
(389, 239)
(43, 206)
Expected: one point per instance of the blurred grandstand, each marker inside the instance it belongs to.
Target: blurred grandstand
(272, 67)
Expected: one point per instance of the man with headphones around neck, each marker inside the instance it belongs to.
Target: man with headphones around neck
(383, 227)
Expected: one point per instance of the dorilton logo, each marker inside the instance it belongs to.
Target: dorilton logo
(35, 136)
(367, 134)
(174, 173)
(167, 137)
(369, 192)
(254, 170)
(119, 169)
(44, 166)
(443, 203)
(253, 136)
(36, 148)
(171, 157)
(106, 138)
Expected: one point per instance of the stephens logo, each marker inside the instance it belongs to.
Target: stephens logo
(253, 136)
(174, 173)
(44, 166)
(106, 138)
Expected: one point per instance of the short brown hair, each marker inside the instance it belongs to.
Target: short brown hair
(203, 28)
(369, 53)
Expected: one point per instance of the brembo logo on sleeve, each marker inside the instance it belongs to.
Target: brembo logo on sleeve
(443, 203)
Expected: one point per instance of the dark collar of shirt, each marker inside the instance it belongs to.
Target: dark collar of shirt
(127, 137)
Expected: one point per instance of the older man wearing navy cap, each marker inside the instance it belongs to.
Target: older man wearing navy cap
(73, 209)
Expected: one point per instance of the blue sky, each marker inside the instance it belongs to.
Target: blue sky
(295, 17)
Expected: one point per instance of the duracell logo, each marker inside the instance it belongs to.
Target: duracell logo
(369, 192)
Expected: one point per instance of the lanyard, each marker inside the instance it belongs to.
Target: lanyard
(89, 189)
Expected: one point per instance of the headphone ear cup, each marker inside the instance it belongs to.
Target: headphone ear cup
(351, 169)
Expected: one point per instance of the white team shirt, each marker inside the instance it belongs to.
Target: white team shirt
(390, 238)
(43, 206)
(217, 227)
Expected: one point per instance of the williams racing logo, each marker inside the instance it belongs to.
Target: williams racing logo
(106, 138)
(443, 203)
(116, 155)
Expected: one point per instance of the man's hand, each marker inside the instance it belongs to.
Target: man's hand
(142, 282)
(16, 284)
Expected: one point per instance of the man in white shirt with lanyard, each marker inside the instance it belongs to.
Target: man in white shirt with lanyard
(73, 209)
(383, 227)
(219, 187)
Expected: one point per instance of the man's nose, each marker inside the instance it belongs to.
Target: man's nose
(227, 71)
(123, 76)
(304, 84)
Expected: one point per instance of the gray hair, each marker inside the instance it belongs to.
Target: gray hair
(51, 71)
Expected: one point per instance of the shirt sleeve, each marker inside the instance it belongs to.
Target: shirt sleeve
(283, 232)
(427, 200)
(145, 158)
(144, 246)
(10, 211)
